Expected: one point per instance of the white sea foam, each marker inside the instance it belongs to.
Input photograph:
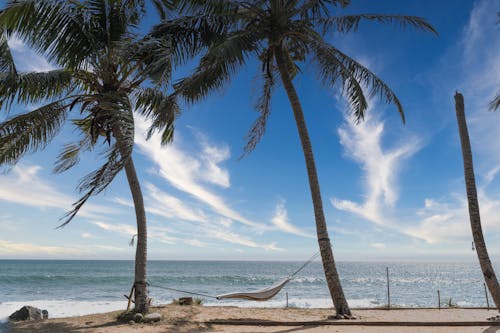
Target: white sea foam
(61, 308)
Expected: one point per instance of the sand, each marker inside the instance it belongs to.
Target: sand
(194, 319)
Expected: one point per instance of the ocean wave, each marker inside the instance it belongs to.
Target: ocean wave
(63, 308)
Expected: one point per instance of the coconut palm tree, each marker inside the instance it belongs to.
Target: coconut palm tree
(105, 71)
(475, 219)
(282, 34)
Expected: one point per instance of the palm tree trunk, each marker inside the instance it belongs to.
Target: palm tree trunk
(332, 277)
(140, 286)
(475, 219)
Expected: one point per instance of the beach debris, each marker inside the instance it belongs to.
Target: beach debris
(138, 317)
(29, 313)
(185, 301)
(131, 322)
(152, 317)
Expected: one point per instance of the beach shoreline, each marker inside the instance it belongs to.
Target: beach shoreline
(234, 319)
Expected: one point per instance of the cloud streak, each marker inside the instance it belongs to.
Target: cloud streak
(282, 223)
(23, 185)
(363, 144)
(186, 172)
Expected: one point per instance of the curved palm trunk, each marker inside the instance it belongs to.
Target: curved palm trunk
(475, 219)
(332, 277)
(141, 291)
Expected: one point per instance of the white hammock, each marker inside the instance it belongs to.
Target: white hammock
(258, 295)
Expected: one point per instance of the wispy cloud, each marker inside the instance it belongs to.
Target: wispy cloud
(24, 186)
(26, 59)
(281, 221)
(448, 220)
(363, 144)
(8, 247)
(168, 206)
(187, 172)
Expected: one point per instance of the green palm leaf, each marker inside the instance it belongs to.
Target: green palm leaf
(31, 131)
(347, 23)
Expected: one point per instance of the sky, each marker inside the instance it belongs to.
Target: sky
(390, 191)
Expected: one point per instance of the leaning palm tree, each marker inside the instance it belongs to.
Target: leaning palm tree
(475, 219)
(282, 34)
(105, 70)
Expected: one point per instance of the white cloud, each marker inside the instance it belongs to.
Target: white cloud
(363, 144)
(87, 235)
(26, 59)
(379, 246)
(234, 238)
(124, 229)
(184, 171)
(281, 221)
(165, 205)
(195, 242)
(23, 185)
(13, 248)
(448, 220)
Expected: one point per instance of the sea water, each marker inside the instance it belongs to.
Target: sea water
(69, 288)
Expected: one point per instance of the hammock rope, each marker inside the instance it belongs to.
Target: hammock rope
(290, 277)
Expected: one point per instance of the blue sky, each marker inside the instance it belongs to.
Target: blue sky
(390, 192)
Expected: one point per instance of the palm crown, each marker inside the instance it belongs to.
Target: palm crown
(104, 73)
(296, 29)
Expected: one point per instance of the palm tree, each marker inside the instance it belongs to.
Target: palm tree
(475, 219)
(281, 34)
(105, 70)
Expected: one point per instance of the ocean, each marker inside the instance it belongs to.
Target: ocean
(69, 288)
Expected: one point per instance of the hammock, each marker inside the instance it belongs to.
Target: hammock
(256, 295)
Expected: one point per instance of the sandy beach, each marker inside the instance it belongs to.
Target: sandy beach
(233, 319)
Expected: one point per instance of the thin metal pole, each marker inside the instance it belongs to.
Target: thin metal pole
(388, 289)
(439, 300)
(286, 298)
(486, 295)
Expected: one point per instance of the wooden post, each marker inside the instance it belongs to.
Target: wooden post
(130, 297)
(486, 295)
(439, 300)
(286, 298)
(388, 289)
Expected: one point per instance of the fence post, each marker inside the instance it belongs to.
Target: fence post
(439, 300)
(388, 289)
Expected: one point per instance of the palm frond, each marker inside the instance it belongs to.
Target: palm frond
(155, 58)
(70, 154)
(495, 103)
(263, 107)
(315, 9)
(96, 181)
(347, 23)
(188, 35)
(58, 29)
(7, 64)
(218, 65)
(35, 87)
(162, 109)
(334, 64)
(31, 131)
